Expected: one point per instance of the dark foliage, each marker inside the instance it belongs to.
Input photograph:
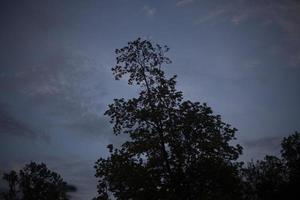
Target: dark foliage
(178, 149)
(36, 182)
(275, 178)
(264, 179)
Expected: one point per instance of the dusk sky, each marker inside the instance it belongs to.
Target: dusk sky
(241, 57)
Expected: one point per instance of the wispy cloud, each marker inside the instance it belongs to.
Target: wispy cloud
(183, 2)
(282, 15)
(11, 126)
(214, 14)
(264, 142)
(258, 148)
(78, 172)
(149, 11)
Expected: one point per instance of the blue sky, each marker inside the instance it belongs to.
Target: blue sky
(241, 57)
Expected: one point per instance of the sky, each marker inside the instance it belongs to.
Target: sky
(241, 57)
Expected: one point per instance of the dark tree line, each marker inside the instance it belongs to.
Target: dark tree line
(36, 182)
(275, 178)
(177, 149)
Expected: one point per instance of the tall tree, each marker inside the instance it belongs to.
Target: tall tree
(178, 149)
(36, 182)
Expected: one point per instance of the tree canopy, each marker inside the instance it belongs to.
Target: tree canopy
(36, 182)
(178, 149)
(273, 177)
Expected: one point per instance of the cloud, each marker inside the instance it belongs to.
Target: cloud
(183, 2)
(260, 147)
(212, 15)
(149, 11)
(264, 142)
(282, 13)
(62, 88)
(49, 87)
(89, 124)
(11, 126)
(76, 171)
(281, 16)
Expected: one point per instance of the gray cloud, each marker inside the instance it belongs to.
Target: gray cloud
(149, 11)
(184, 2)
(11, 126)
(54, 91)
(281, 13)
(91, 124)
(77, 171)
(272, 15)
(260, 147)
(264, 142)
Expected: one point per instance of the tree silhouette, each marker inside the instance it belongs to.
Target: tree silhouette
(275, 178)
(12, 179)
(265, 179)
(291, 157)
(177, 149)
(36, 182)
